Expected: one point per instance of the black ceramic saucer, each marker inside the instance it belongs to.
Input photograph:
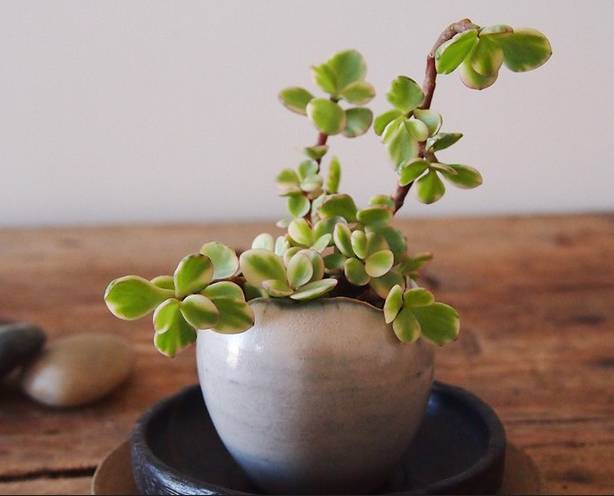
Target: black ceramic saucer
(459, 449)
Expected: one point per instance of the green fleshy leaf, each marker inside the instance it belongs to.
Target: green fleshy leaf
(224, 259)
(357, 121)
(334, 176)
(317, 263)
(487, 57)
(339, 205)
(405, 94)
(307, 168)
(173, 332)
(299, 270)
(452, 53)
(342, 236)
(393, 303)
(440, 323)
(295, 99)
(496, 30)
(383, 285)
(442, 141)
(475, 80)
(260, 265)
(298, 205)
(312, 184)
(414, 263)
(325, 78)
(394, 239)
(252, 292)
(375, 216)
(164, 282)
(224, 289)
(300, 232)
(290, 252)
(264, 241)
(379, 263)
(316, 152)
(412, 170)
(430, 118)
(328, 117)
(235, 316)
(418, 297)
(400, 142)
(381, 201)
(334, 261)
(348, 66)
(132, 297)
(524, 50)
(277, 289)
(281, 245)
(359, 244)
(417, 129)
(444, 168)
(287, 179)
(406, 326)
(283, 223)
(199, 311)
(321, 243)
(314, 289)
(430, 188)
(193, 273)
(358, 93)
(466, 177)
(355, 272)
(384, 119)
(326, 226)
(375, 242)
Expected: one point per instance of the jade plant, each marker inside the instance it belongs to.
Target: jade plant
(329, 246)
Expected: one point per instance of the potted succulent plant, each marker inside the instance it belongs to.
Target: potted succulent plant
(314, 347)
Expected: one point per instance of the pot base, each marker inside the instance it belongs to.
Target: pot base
(460, 448)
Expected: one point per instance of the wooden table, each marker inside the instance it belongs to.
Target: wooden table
(536, 297)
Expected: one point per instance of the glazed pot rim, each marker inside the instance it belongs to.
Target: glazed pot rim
(290, 303)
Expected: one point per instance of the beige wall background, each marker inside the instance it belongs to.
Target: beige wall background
(122, 111)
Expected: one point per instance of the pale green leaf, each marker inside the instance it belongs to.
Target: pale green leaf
(375, 216)
(439, 167)
(401, 143)
(452, 53)
(393, 303)
(224, 289)
(359, 244)
(348, 66)
(431, 119)
(317, 263)
(379, 263)
(173, 332)
(412, 170)
(357, 121)
(277, 289)
(375, 241)
(355, 272)
(312, 184)
(394, 239)
(325, 78)
(358, 93)
(224, 259)
(316, 152)
(193, 273)
(440, 323)
(334, 176)
(299, 270)
(473, 79)
(339, 205)
(496, 30)
(381, 201)
(295, 99)
(327, 116)
(334, 261)
(281, 245)
(525, 49)
(298, 205)
(260, 265)
(442, 141)
(406, 326)
(307, 168)
(314, 290)
(381, 121)
(342, 237)
(164, 282)
(326, 226)
(300, 232)
(132, 297)
(290, 252)
(405, 94)
(465, 177)
(383, 285)
(199, 311)
(321, 243)
(418, 297)
(429, 188)
(487, 57)
(287, 179)
(414, 263)
(417, 129)
(235, 316)
(264, 241)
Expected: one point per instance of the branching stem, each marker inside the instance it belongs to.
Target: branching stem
(428, 87)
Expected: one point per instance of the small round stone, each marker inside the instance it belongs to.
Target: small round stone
(77, 370)
(19, 341)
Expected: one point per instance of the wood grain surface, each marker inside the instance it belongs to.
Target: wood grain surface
(536, 297)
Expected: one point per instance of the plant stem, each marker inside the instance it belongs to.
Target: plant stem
(322, 138)
(428, 87)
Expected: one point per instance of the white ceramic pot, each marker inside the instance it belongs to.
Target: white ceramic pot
(317, 397)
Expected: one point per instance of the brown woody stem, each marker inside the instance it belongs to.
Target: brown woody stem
(428, 87)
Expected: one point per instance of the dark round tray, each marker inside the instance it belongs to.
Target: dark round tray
(459, 449)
